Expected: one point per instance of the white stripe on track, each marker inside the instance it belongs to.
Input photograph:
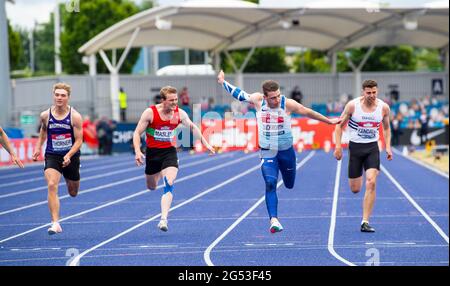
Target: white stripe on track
(60, 184)
(207, 253)
(92, 168)
(416, 205)
(333, 217)
(76, 260)
(104, 175)
(412, 159)
(81, 171)
(40, 170)
(131, 196)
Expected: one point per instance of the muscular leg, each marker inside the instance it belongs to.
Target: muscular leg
(169, 174)
(287, 164)
(355, 171)
(53, 177)
(152, 180)
(355, 184)
(269, 170)
(73, 187)
(370, 194)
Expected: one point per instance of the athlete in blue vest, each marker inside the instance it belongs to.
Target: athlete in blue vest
(273, 112)
(61, 128)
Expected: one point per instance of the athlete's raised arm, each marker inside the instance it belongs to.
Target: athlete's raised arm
(236, 92)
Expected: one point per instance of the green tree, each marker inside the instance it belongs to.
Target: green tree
(263, 60)
(311, 61)
(15, 48)
(398, 58)
(146, 4)
(93, 18)
(428, 60)
(44, 47)
(25, 41)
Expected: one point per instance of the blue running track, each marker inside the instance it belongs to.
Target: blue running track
(219, 216)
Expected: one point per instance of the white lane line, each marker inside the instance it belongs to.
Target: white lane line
(207, 253)
(24, 173)
(81, 171)
(83, 179)
(416, 205)
(62, 181)
(131, 196)
(104, 175)
(76, 260)
(333, 217)
(418, 162)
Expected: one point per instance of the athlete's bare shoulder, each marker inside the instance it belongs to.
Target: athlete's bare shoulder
(257, 97)
(44, 115)
(76, 117)
(147, 115)
(43, 118)
(75, 113)
(384, 107)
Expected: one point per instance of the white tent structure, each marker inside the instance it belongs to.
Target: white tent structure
(220, 26)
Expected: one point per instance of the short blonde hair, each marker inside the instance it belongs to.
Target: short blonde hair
(166, 90)
(62, 85)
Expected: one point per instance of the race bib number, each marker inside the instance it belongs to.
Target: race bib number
(272, 124)
(164, 135)
(367, 133)
(61, 142)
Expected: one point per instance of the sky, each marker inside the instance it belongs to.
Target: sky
(25, 13)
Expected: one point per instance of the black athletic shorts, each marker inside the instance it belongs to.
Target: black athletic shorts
(71, 172)
(362, 155)
(158, 159)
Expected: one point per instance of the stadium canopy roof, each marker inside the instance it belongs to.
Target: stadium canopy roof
(224, 25)
(325, 25)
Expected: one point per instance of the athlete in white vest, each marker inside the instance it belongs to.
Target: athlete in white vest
(275, 137)
(364, 116)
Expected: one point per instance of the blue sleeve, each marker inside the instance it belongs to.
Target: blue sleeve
(236, 92)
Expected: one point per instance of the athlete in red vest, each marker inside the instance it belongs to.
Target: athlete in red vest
(159, 122)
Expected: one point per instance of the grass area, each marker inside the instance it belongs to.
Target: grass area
(428, 158)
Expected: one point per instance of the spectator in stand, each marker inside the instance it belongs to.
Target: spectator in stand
(103, 129)
(89, 133)
(157, 99)
(296, 94)
(112, 124)
(184, 97)
(423, 120)
(396, 122)
(330, 106)
(123, 104)
(211, 103)
(204, 104)
(414, 107)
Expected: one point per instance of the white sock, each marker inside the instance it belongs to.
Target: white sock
(364, 221)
